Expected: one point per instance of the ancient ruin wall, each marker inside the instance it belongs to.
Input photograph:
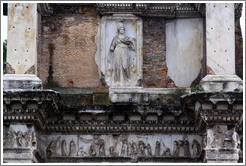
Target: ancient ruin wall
(68, 47)
(154, 54)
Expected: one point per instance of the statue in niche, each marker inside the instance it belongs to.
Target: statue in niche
(92, 150)
(134, 149)
(101, 148)
(53, 147)
(81, 152)
(125, 150)
(142, 148)
(19, 136)
(112, 153)
(72, 148)
(119, 60)
(149, 151)
(175, 148)
(64, 148)
(157, 148)
(196, 148)
(10, 138)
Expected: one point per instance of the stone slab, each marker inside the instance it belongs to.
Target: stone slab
(184, 50)
(22, 33)
(220, 38)
(21, 81)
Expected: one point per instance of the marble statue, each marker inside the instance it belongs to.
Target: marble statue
(101, 148)
(149, 151)
(119, 59)
(175, 148)
(157, 148)
(81, 152)
(19, 136)
(142, 148)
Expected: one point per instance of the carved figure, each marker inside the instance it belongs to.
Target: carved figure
(101, 148)
(186, 148)
(181, 148)
(142, 148)
(53, 147)
(72, 148)
(157, 148)
(64, 148)
(112, 153)
(19, 136)
(219, 133)
(175, 148)
(196, 148)
(28, 138)
(134, 149)
(149, 151)
(92, 150)
(235, 139)
(10, 138)
(119, 58)
(167, 152)
(124, 148)
(81, 152)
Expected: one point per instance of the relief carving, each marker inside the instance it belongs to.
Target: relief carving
(175, 148)
(81, 152)
(125, 150)
(53, 147)
(64, 148)
(142, 149)
(134, 148)
(72, 148)
(10, 138)
(166, 152)
(196, 147)
(149, 150)
(101, 148)
(112, 153)
(157, 148)
(19, 137)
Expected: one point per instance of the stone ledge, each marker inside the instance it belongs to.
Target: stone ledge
(221, 83)
(21, 81)
(146, 95)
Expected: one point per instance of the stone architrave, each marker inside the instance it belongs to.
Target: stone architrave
(121, 50)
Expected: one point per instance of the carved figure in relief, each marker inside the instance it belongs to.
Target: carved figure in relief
(181, 148)
(101, 148)
(235, 139)
(28, 137)
(72, 148)
(92, 150)
(81, 152)
(134, 149)
(175, 148)
(149, 151)
(10, 138)
(19, 137)
(186, 147)
(219, 133)
(166, 152)
(112, 153)
(64, 148)
(125, 148)
(119, 59)
(196, 148)
(142, 148)
(53, 147)
(157, 148)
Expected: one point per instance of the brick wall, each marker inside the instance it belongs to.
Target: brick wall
(68, 47)
(154, 54)
(238, 49)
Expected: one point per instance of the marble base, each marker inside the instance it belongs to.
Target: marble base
(21, 81)
(221, 83)
(221, 155)
(146, 95)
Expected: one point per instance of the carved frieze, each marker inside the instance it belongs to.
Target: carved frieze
(140, 146)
